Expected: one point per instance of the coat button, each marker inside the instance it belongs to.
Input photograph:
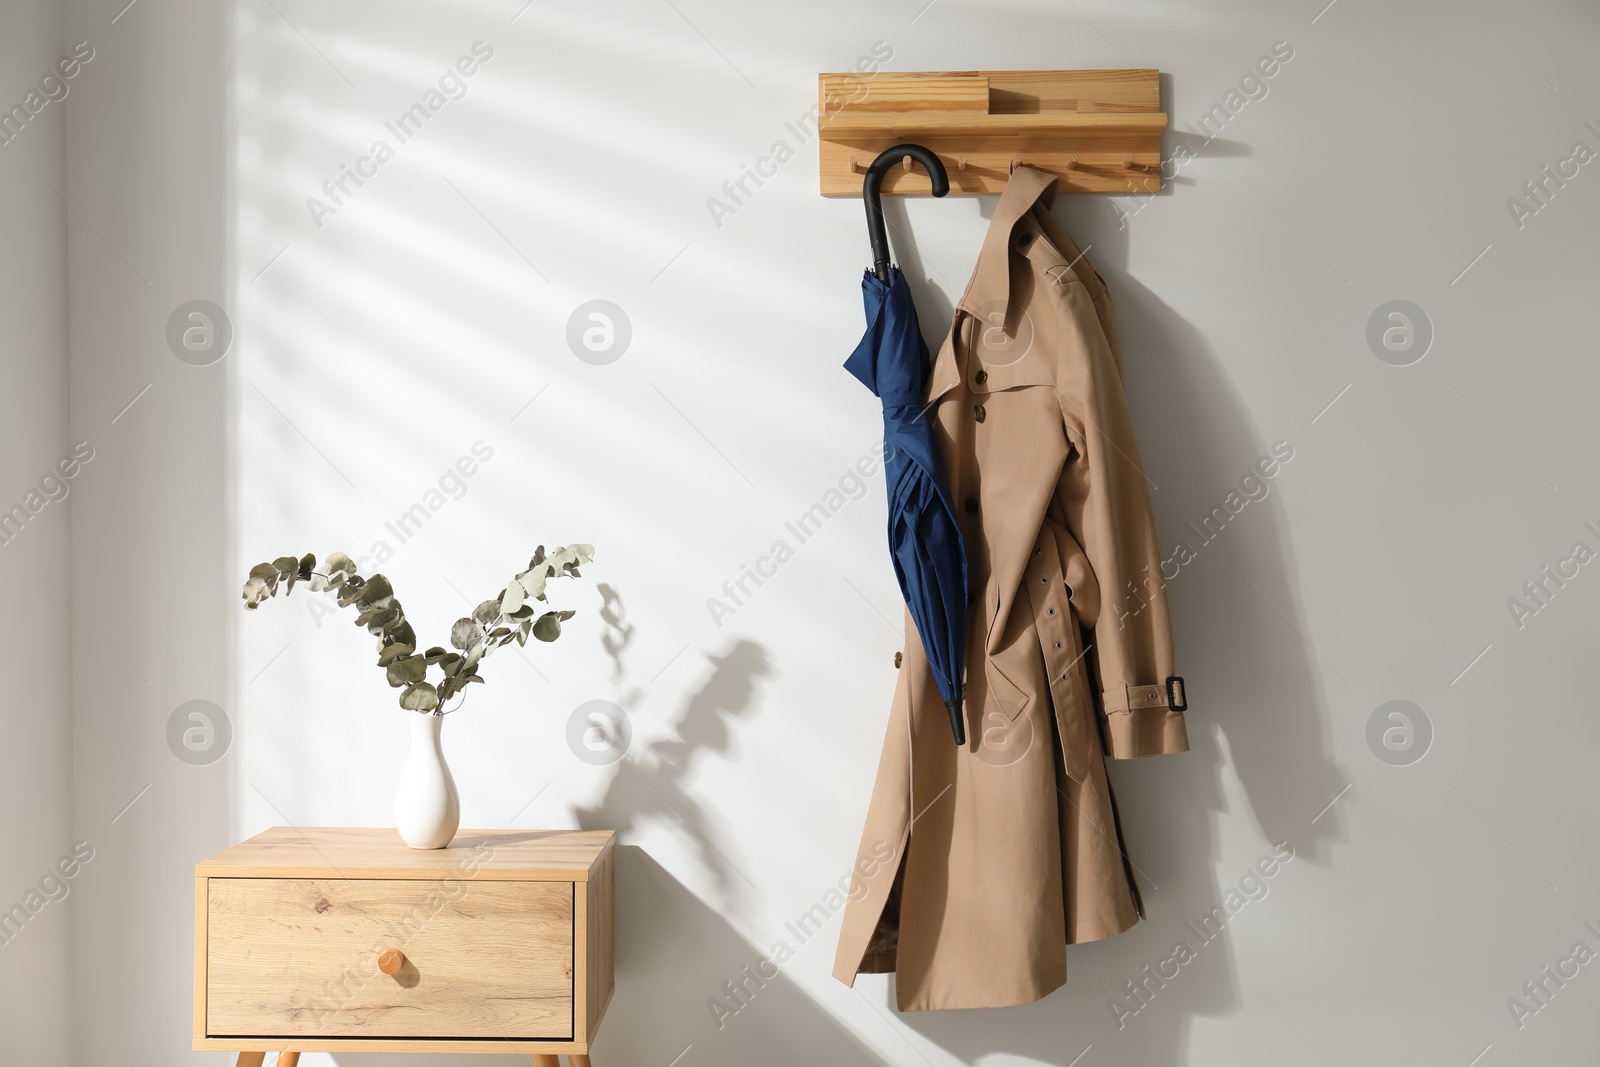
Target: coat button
(978, 412)
(981, 377)
(970, 505)
(1050, 611)
(1058, 645)
(897, 659)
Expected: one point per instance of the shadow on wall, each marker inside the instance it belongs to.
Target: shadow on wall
(653, 784)
(677, 954)
(1251, 681)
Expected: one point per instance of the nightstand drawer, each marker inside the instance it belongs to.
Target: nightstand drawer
(298, 957)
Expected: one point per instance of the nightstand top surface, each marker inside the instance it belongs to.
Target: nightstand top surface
(360, 852)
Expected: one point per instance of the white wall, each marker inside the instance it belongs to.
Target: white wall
(429, 312)
(147, 167)
(35, 769)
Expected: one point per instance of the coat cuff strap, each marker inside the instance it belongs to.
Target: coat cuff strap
(1139, 723)
(1134, 698)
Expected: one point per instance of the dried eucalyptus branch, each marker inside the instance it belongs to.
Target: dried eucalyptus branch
(511, 616)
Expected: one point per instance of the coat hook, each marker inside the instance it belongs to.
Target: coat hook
(905, 164)
(961, 163)
(1016, 161)
(1127, 161)
(1072, 161)
(854, 166)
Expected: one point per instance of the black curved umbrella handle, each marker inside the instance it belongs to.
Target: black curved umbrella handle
(870, 193)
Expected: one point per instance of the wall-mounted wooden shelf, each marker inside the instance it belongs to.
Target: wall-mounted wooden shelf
(1098, 130)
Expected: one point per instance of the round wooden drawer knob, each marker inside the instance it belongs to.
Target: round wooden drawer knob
(391, 961)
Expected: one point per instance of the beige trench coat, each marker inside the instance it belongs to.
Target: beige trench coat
(979, 865)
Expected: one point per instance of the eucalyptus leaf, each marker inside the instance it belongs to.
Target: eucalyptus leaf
(420, 697)
(511, 599)
(532, 583)
(435, 654)
(485, 613)
(407, 671)
(393, 652)
(375, 589)
(288, 570)
(255, 591)
(350, 591)
(465, 633)
(369, 614)
(385, 619)
(339, 569)
(548, 627)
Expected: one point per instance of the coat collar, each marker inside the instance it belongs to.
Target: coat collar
(988, 295)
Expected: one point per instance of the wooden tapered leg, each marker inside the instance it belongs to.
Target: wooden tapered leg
(578, 1061)
(546, 1061)
(250, 1059)
(288, 1059)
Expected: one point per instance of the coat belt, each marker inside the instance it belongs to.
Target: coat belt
(1061, 644)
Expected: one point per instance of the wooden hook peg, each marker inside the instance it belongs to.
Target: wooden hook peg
(1016, 161)
(1127, 161)
(854, 166)
(1072, 162)
(961, 163)
(390, 961)
(905, 164)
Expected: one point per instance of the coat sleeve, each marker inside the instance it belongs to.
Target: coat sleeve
(1104, 500)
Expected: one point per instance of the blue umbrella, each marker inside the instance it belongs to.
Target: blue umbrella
(925, 542)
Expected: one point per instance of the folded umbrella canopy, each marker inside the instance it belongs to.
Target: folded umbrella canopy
(930, 559)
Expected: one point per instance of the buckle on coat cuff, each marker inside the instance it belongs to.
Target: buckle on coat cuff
(1177, 697)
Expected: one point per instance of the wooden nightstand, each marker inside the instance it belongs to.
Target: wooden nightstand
(345, 940)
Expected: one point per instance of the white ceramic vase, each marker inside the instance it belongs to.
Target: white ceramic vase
(426, 807)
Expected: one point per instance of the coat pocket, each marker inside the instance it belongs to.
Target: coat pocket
(1005, 695)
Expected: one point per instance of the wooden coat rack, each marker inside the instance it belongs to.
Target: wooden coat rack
(1099, 131)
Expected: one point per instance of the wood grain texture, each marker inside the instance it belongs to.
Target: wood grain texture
(600, 977)
(201, 908)
(359, 852)
(269, 968)
(430, 1045)
(296, 957)
(1081, 125)
(905, 92)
